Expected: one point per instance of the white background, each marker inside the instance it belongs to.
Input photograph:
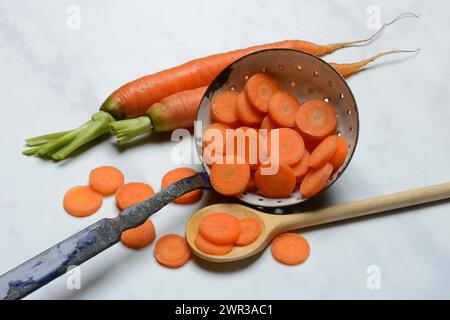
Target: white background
(52, 78)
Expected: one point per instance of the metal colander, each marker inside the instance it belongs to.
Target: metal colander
(303, 75)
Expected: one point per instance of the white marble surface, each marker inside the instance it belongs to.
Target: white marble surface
(53, 78)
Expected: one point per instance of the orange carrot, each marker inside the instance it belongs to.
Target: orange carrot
(131, 193)
(223, 108)
(278, 185)
(82, 201)
(229, 179)
(338, 159)
(268, 124)
(290, 249)
(316, 119)
(172, 251)
(259, 89)
(283, 108)
(323, 152)
(301, 168)
(139, 237)
(250, 229)
(246, 145)
(214, 132)
(211, 248)
(315, 180)
(106, 180)
(176, 175)
(220, 228)
(246, 113)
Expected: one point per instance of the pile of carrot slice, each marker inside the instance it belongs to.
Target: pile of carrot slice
(171, 251)
(220, 231)
(237, 149)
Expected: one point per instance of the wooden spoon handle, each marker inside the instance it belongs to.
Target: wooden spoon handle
(366, 207)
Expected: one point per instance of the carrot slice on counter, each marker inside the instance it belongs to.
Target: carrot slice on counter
(315, 180)
(259, 89)
(106, 180)
(131, 193)
(278, 185)
(246, 113)
(139, 237)
(82, 201)
(172, 251)
(316, 119)
(283, 109)
(177, 174)
(290, 248)
(250, 229)
(323, 152)
(229, 179)
(220, 228)
(223, 108)
(211, 248)
(301, 168)
(338, 159)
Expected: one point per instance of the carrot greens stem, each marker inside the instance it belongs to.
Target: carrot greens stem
(125, 130)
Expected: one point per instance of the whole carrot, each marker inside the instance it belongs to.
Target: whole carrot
(134, 98)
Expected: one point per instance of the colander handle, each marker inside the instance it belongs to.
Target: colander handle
(370, 206)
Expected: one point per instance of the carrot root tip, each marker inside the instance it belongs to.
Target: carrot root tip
(126, 130)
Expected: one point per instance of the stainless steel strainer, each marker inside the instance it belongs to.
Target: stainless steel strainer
(301, 74)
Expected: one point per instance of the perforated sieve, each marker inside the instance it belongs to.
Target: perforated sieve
(303, 75)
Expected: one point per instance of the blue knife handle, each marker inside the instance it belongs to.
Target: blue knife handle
(55, 261)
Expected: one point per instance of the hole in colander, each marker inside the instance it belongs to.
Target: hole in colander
(298, 198)
(326, 99)
(299, 68)
(261, 199)
(279, 201)
(293, 84)
(350, 129)
(281, 67)
(232, 87)
(341, 96)
(244, 193)
(349, 112)
(246, 77)
(310, 90)
(339, 133)
(264, 70)
(316, 73)
(330, 83)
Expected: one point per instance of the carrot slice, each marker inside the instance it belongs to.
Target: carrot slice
(223, 108)
(82, 201)
(290, 248)
(220, 228)
(211, 248)
(250, 229)
(323, 152)
(246, 113)
(131, 193)
(259, 89)
(316, 119)
(229, 179)
(139, 237)
(172, 251)
(106, 180)
(283, 108)
(290, 146)
(278, 185)
(315, 180)
(338, 159)
(246, 145)
(301, 168)
(176, 175)
(268, 123)
(215, 132)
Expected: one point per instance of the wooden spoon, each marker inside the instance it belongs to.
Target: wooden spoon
(273, 225)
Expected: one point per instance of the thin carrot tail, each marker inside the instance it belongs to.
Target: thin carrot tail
(128, 129)
(348, 69)
(362, 42)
